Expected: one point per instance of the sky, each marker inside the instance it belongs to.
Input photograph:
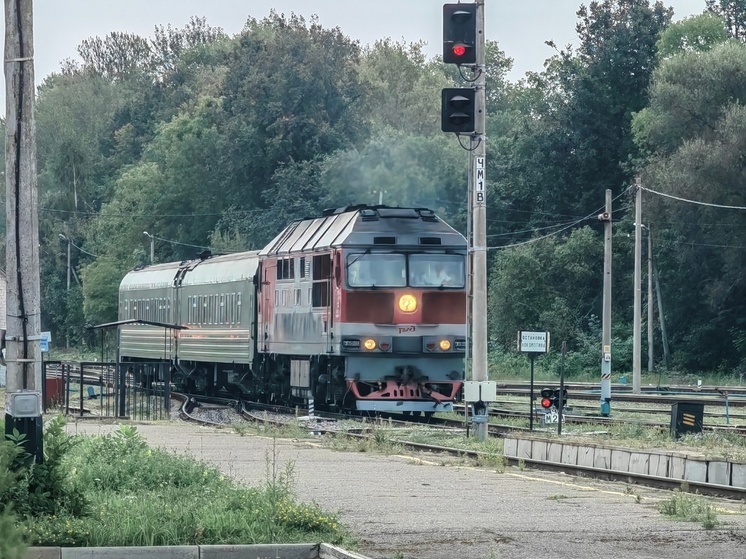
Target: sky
(519, 26)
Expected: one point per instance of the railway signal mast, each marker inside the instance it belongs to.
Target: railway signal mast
(463, 113)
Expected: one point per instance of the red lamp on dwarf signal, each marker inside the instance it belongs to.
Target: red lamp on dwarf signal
(459, 33)
(547, 398)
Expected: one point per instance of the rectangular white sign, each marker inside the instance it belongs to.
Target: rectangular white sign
(480, 186)
(46, 339)
(533, 342)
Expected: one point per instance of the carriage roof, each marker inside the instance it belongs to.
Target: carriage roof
(219, 269)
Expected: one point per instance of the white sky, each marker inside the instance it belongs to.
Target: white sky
(519, 26)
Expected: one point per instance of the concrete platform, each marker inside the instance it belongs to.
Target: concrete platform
(438, 507)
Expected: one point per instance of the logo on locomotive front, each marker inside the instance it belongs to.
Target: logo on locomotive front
(407, 329)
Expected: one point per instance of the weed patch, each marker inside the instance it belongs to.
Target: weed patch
(690, 508)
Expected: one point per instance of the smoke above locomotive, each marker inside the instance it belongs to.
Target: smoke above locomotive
(362, 308)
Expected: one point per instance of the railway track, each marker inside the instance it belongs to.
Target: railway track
(330, 424)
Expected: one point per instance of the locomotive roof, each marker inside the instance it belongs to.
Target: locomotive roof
(367, 226)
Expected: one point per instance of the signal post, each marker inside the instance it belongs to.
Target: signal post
(463, 112)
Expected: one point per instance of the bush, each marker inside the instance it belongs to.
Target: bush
(11, 544)
(141, 496)
(43, 489)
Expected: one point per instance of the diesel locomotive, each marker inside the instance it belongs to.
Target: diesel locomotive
(360, 309)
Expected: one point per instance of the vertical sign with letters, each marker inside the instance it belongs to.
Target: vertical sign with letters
(480, 187)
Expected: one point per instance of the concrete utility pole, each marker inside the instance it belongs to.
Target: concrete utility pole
(23, 348)
(64, 238)
(606, 318)
(152, 246)
(651, 310)
(636, 327)
(479, 214)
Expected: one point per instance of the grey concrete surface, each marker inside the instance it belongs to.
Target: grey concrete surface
(429, 507)
(268, 551)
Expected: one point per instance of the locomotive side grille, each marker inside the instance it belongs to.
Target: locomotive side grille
(377, 308)
(444, 307)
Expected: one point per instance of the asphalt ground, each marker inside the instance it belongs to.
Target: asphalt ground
(434, 507)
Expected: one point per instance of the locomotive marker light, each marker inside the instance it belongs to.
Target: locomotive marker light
(533, 343)
(445, 345)
(459, 33)
(369, 344)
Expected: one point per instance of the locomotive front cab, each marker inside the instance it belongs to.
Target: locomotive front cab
(403, 329)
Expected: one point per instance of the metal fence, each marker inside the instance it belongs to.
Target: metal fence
(139, 391)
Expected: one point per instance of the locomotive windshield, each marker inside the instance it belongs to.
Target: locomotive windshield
(436, 270)
(400, 270)
(376, 270)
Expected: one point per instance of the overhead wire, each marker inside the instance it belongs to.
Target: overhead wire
(697, 202)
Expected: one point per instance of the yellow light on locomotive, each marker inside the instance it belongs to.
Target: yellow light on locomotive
(445, 345)
(369, 344)
(408, 303)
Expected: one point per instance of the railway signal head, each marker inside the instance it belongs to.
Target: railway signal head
(556, 398)
(458, 109)
(459, 33)
(546, 398)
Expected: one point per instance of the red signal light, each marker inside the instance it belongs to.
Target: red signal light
(546, 403)
(459, 49)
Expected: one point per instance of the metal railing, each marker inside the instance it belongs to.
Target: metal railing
(139, 391)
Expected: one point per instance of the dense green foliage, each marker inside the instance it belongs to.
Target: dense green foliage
(206, 140)
(114, 490)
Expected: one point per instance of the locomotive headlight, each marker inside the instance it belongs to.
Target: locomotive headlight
(408, 303)
(369, 344)
(445, 345)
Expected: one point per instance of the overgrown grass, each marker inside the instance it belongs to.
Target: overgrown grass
(135, 495)
(690, 508)
(711, 444)
(579, 367)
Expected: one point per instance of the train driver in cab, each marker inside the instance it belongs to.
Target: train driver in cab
(440, 274)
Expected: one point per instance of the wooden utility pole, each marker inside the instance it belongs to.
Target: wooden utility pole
(23, 351)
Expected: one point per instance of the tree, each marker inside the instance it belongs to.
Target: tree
(309, 107)
(733, 13)
(696, 33)
(695, 133)
(564, 134)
